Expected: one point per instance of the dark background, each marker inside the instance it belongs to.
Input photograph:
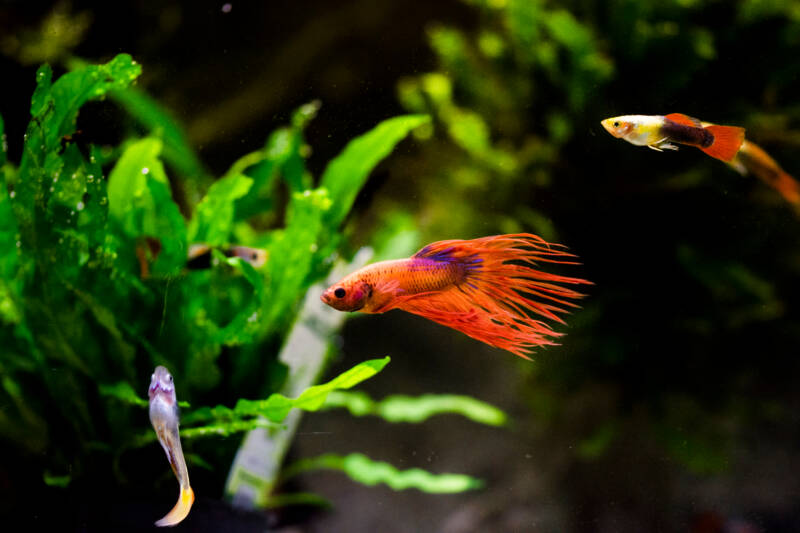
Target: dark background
(681, 367)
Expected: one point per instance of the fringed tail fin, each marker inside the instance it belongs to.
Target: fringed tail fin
(181, 509)
(501, 293)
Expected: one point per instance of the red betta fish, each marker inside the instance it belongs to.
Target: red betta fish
(487, 288)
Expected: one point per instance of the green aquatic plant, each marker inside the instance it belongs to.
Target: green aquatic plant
(95, 288)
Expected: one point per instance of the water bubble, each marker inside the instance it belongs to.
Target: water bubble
(226, 8)
(61, 240)
(80, 206)
(253, 317)
(145, 170)
(52, 189)
(90, 178)
(72, 213)
(19, 244)
(103, 200)
(12, 194)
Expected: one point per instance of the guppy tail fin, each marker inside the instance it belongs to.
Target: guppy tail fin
(181, 509)
(727, 141)
(501, 291)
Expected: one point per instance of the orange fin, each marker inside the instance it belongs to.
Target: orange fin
(501, 292)
(727, 141)
(181, 509)
(680, 118)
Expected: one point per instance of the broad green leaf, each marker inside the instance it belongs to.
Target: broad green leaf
(362, 469)
(140, 202)
(401, 408)
(127, 183)
(277, 406)
(346, 173)
(213, 218)
(54, 110)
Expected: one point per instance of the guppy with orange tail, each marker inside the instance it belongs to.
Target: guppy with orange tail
(659, 132)
(487, 288)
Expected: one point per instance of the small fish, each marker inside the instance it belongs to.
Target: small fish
(164, 417)
(199, 255)
(486, 288)
(659, 132)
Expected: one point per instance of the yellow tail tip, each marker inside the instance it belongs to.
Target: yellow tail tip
(180, 511)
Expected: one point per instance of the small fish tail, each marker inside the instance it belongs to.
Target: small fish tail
(181, 509)
(503, 296)
(727, 141)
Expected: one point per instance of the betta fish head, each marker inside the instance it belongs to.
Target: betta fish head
(161, 384)
(619, 127)
(350, 294)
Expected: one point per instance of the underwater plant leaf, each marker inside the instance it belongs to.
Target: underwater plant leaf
(362, 469)
(3, 146)
(150, 114)
(122, 391)
(282, 155)
(275, 501)
(277, 406)
(347, 172)
(56, 481)
(128, 195)
(400, 408)
(291, 254)
(140, 202)
(54, 110)
(213, 218)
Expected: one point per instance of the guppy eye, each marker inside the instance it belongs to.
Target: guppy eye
(616, 124)
(339, 292)
(169, 377)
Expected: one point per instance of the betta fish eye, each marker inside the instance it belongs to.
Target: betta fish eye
(339, 292)
(616, 123)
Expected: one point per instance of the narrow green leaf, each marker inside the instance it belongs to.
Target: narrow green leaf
(277, 406)
(347, 172)
(122, 391)
(362, 469)
(401, 408)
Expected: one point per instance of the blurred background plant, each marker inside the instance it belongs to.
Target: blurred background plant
(674, 390)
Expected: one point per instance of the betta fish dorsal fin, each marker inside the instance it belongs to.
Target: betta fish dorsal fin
(686, 120)
(727, 141)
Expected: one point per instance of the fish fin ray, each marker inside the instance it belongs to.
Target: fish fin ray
(727, 141)
(680, 118)
(502, 292)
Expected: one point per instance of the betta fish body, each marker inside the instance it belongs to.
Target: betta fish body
(487, 288)
(659, 132)
(164, 417)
